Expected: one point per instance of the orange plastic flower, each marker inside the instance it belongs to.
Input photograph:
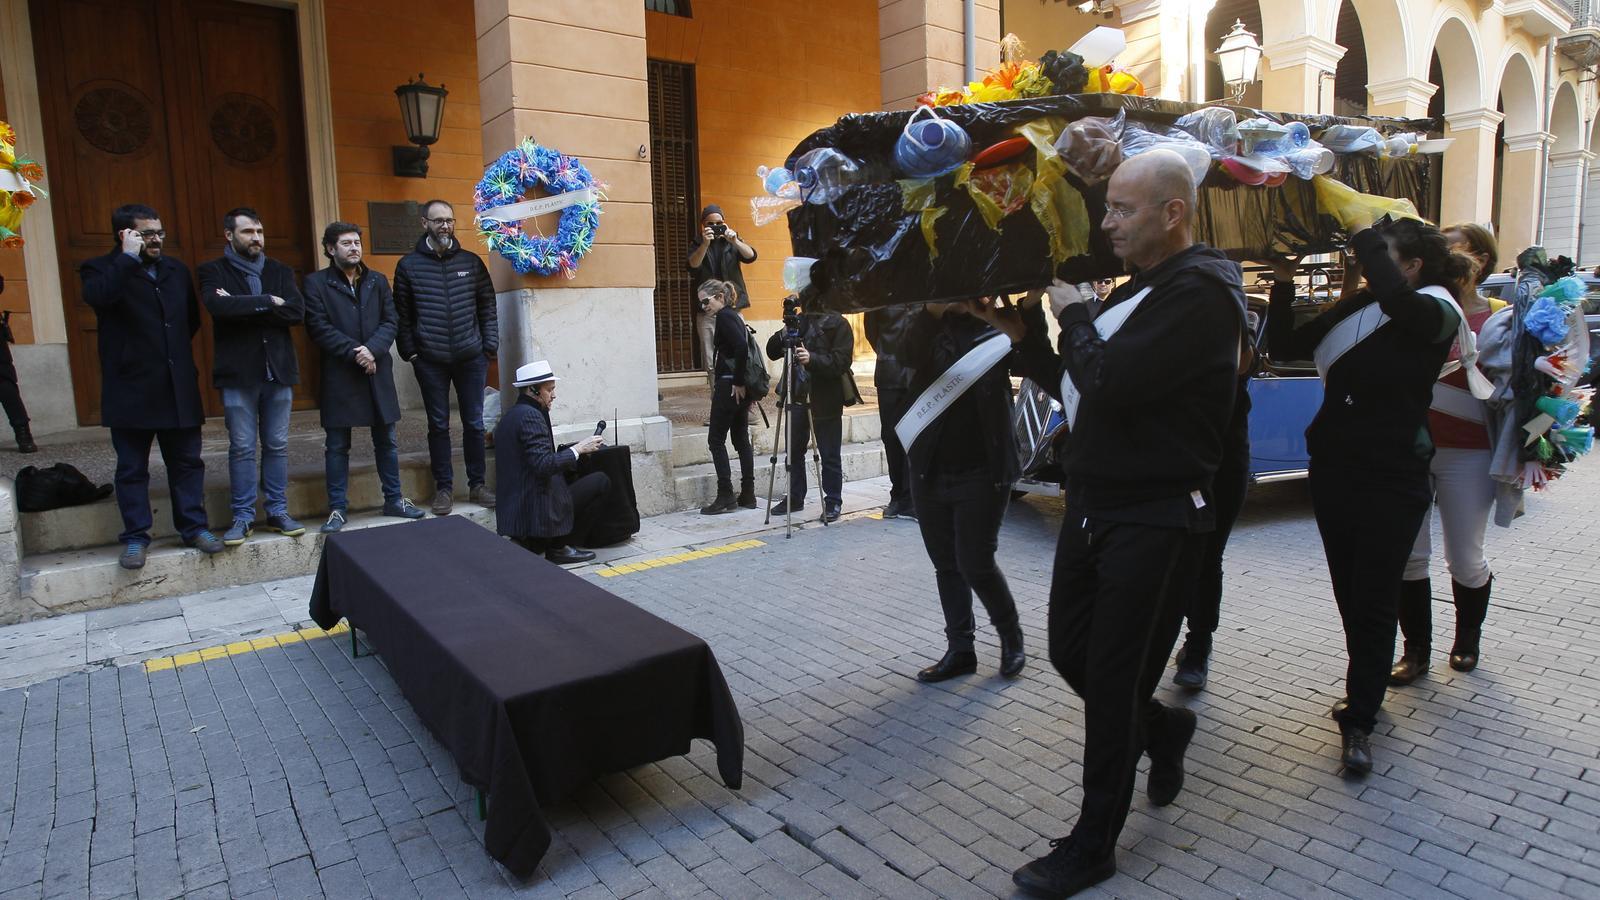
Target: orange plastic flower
(22, 199)
(11, 242)
(30, 171)
(7, 134)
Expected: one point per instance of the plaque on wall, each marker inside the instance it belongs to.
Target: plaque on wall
(393, 228)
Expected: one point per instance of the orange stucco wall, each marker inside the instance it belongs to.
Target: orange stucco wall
(767, 74)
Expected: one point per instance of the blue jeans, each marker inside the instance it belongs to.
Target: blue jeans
(435, 380)
(336, 465)
(266, 405)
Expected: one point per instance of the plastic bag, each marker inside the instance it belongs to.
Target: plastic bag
(1351, 139)
(1345, 203)
(1138, 138)
(1214, 126)
(1263, 135)
(1089, 147)
(491, 409)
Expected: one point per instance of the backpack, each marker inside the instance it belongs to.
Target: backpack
(60, 485)
(757, 383)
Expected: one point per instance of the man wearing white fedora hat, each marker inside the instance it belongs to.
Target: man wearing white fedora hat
(537, 508)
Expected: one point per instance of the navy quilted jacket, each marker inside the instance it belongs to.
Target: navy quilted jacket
(446, 305)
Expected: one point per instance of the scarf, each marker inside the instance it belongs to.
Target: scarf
(250, 270)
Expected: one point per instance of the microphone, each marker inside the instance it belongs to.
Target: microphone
(600, 428)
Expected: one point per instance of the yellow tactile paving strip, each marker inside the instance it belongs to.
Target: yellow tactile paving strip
(162, 663)
(659, 562)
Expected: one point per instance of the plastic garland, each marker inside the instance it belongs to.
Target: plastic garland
(17, 188)
(511, 177)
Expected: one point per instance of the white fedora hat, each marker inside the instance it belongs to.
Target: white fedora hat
(536, 372)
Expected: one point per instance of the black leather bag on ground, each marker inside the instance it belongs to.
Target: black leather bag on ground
(60, 485)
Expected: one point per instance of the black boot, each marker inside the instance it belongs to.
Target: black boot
(1194, 662)
(725, 502)
(955, 663)
(747, 493)
(1416, 624)
(1472, 604)
(1012, 656)
(25, 442)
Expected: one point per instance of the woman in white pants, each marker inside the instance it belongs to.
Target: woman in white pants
(1463, 491)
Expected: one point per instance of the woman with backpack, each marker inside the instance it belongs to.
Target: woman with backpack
(730, 407)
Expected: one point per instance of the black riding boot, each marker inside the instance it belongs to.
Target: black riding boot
(1472, 604)
(1416, 624)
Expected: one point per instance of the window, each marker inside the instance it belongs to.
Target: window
(670, 7)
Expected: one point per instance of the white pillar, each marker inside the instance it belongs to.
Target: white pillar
(1562, 195)
(1292, 78)
(1589, 231)
(1403, 97)
(1468, 189)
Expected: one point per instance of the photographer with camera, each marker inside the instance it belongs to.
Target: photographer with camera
(823, 386)
(718, 254)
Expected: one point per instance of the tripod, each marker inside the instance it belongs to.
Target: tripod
(785, 404)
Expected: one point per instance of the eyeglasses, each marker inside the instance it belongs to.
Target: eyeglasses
(442, 221)
(1123, 212)
(158, 235)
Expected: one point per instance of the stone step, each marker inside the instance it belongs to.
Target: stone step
(86, 579)
(697, 485)
(689, 447)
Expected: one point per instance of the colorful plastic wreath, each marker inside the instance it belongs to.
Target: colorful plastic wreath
(532, 165)
(17, 190)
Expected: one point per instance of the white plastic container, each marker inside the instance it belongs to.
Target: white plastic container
(1100, 46)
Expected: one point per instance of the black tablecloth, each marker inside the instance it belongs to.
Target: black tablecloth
(535, 679)
(617, 519)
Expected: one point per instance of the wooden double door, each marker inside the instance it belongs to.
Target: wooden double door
(192, 107)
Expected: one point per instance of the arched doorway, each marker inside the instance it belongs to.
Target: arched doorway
(1568, 170)
(1520, 171)
(1456, 70)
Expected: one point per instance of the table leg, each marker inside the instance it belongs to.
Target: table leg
(355, 648)
(483, 806)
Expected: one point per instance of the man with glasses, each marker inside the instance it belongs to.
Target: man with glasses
(1160, 361)
(445, 301)
(147, 313)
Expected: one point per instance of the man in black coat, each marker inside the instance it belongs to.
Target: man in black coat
(445, 301)
(891, 375)
(718, 254)
(538, 509)
(253, 301)
(824, 345)
(145, 307)
(350, 316)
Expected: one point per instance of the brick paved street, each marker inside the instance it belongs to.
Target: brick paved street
(295, 771)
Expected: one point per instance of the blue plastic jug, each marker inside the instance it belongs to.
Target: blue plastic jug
(824, 174)
(930, 146)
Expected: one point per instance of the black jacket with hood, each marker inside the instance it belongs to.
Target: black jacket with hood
(445, 302)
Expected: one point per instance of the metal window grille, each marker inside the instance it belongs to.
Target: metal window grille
(670, 7)
(674, 193)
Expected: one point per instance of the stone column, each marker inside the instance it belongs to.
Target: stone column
(1519, 193)
(538, 77)
(921, 46)
(1405, 98)
(1589, 225)
(1468, 189)
(1296, 74)
(1563, 198)
(1159, 46)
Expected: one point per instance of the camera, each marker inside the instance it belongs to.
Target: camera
(719, 229)
(791, 317)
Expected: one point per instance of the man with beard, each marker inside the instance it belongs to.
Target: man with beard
(253, 301)
(145, 307)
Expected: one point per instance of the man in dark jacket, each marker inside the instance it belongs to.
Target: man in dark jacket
(253, 301)
(538, 509)
(145, 307)
(350, 316)
(718, 254)
(1139, 495)
(886, 332)
(824, 345)
(445, 301)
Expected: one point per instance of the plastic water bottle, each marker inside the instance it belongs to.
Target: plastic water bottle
(930, 146)
(774, 179)
(1351, 139)
(824, 174)
(1309, 161)
(797, 273)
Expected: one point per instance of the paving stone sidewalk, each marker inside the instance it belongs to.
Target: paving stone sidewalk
(297, 771)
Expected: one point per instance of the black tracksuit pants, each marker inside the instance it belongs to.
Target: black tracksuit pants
(1205, 600)
(960, 516)
(1116, 603)
(1368, 520)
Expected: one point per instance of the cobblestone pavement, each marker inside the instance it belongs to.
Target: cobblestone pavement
(295, 771)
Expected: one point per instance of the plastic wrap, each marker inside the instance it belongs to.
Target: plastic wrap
(1347, 205)
(1216, 127)
(888, 240)
(1090, 147)
(1138, 138)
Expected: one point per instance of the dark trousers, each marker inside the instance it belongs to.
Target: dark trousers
(1368, 521)
(587, 492)
(830, 446)
(468, 377)
(1116, 603)
(10, 394)
(1205, 600)
(892, 403)
(186, 480)
(729, 417)
(960, 519)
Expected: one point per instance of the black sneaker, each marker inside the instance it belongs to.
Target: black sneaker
(1194, 664)
(1064, 872)
(285, 525)
(405, 509)
(133, 555)
(781, 508)
(335, 523)
(205, 542)
(831, 510)
(1166, 749)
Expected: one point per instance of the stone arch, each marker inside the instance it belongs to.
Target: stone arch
(1565, 121)
(1517, 93)
(1386, 32)
(1460, 62)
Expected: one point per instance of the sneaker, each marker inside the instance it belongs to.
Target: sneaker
(238, 532)
(405, 509)
(335, 522)
(285, 525)
(205, 542)
(481, 495)
(781, 508)
(133, 555)
(893, 510)
(1064, 871)
(443, 500)
(1166, 749)
(1194, 664)
(831, 510)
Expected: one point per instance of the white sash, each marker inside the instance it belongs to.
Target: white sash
(1106, 325)
(1453, 401)
(1357, 328)
(950, 386)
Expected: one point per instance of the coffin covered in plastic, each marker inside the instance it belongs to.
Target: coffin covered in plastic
(887, 240)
